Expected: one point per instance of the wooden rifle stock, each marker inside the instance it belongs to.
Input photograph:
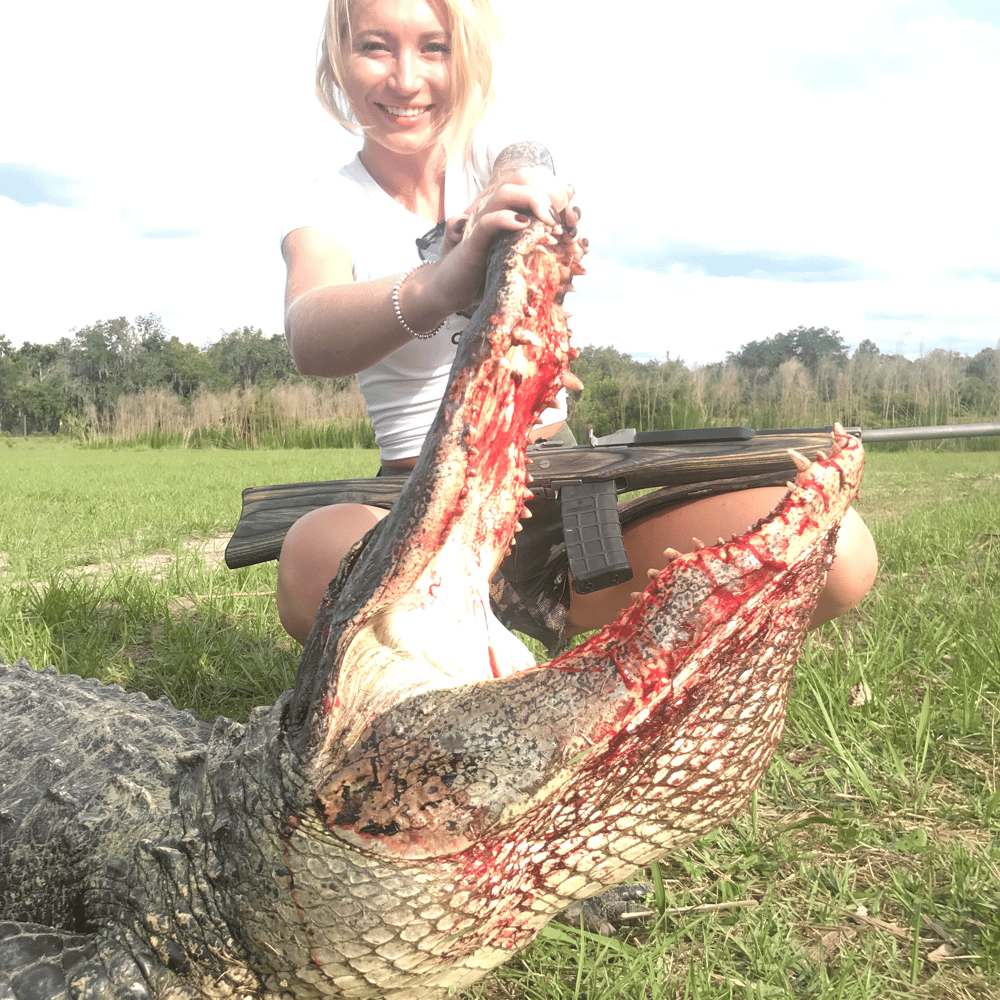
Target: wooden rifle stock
(688, 464)
(681, 465)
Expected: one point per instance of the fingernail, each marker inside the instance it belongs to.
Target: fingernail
(459, 226)
(522, 218)
(554, 214)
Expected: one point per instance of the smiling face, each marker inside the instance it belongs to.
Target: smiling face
(397, 58)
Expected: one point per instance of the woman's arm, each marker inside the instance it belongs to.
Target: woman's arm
(336, 326)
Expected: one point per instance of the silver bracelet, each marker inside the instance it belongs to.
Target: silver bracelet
(399, 315)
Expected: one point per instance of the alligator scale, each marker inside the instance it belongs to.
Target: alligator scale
(426, 799)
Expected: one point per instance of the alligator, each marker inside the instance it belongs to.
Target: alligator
(426, 798)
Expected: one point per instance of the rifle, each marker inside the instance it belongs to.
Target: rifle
(586, 482)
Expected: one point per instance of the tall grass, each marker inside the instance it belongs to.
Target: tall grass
(866, 391)
(870, 391)
(289, 415)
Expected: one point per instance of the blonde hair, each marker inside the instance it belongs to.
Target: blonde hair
(473, 29)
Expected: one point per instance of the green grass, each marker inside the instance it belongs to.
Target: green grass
(110, 566)
(869, 864)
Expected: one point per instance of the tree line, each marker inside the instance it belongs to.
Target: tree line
(82, 377)
(804, 376)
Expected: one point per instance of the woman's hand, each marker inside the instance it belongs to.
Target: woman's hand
(513, 200)
(521, 190)
(336, 326)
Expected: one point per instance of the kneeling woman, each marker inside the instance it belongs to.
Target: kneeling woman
(413, 77)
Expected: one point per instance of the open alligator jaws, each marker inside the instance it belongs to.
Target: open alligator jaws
(426, 799)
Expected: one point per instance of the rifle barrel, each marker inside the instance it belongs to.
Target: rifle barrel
(930, 433)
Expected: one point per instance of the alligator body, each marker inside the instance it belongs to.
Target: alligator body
(425, 799)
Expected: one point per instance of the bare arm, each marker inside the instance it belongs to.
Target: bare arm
(336, 326)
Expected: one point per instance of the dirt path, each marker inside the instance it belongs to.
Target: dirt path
(211, 551)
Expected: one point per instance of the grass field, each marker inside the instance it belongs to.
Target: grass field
(869, 864)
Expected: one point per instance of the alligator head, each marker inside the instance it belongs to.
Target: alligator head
(470, 794)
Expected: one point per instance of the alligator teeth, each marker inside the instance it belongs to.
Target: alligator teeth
(801, 462)
(697, 542)
(670, 554)
(570, 381)
(523, 336)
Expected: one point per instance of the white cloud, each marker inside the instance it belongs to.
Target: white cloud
(861, 131)
(699, 318)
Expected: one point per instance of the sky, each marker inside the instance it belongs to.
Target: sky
(743, 169)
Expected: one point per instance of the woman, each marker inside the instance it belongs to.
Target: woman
(414, 77)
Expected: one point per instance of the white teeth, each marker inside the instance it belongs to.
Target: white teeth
(403, 112)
